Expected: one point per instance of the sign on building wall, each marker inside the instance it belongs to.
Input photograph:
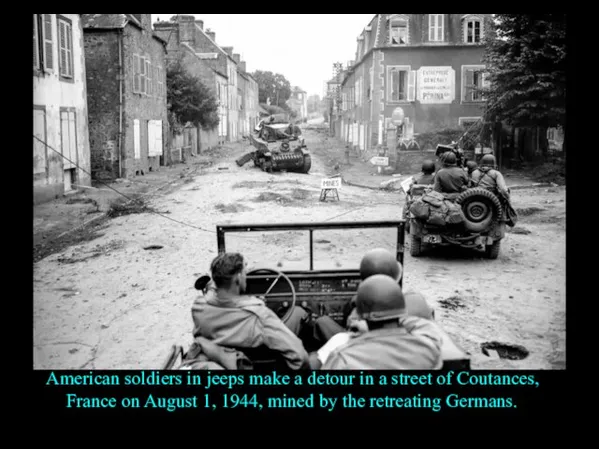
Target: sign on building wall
(435, 85)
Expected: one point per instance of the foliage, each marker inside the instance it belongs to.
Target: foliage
(274, 86)
(467, 138)
(189, 100)
(526, 63)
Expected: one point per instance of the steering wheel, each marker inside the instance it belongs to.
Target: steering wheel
(279, 275)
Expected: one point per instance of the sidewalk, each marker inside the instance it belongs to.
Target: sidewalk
(75, 216)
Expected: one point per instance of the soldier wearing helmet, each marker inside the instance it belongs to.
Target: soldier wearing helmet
(395, 341)
(488, 177)
(428, 173)
(451, 178)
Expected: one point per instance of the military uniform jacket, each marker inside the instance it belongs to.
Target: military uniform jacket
(450, 180)
(489, 179)
(246, 322)
(415, 345)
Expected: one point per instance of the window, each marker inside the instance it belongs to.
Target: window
(398, 30)
(473, 29)
(473, 79)
(401, 85)
(435, 27)
(43, 56)
(65, 46)
(142, 77)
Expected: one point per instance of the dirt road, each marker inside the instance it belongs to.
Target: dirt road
(119, 301)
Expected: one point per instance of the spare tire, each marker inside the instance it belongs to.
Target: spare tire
(481, 207)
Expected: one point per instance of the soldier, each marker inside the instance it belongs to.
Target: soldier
(488, 177)
(451, 178)
(227, 317)
(394, 341)
(428, 173)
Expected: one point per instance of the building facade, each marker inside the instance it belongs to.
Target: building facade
(61, 155)
(298, 102)
(413, 74)
(126, 79)
(219, 70)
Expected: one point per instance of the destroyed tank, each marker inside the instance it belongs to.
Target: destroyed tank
(279, 146)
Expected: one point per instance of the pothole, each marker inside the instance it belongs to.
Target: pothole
(504, 350)
(524, 211)
(519, 230)
(452, 303)
(153, 247)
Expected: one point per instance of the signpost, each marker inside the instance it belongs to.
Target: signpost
(330, 186)
(380, 162)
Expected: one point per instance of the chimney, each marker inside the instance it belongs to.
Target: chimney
(228, 50)
(236, 57)
(211, 34)
(242, 66)
(200, 23)
(186, 27)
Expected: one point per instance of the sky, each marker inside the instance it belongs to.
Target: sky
(301, 47)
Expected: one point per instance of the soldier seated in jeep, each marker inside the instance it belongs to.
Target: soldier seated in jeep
(451, 178)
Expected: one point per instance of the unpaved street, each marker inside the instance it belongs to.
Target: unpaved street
(109, 303)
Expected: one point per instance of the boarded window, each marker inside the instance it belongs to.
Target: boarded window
(154, 138)
(40, 154)
(136, 139)
(68, 138)
(65, 45)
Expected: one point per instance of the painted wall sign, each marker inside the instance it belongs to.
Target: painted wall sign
(435, 85)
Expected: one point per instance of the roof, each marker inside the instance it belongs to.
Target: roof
(108, 21)
(112, 22)
(200, 56)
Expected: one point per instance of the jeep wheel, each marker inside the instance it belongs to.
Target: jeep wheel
(481, 207)
(415, 246)
(492, 251)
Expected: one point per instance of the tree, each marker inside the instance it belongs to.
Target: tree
(274, 86)
(526, 63)
(188, 99)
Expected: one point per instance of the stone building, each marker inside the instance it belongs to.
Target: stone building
(126, 82)
(424, 68)
(298, 101)
(61, 158)
(217, 68)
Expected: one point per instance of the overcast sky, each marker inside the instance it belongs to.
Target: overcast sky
(301, 47)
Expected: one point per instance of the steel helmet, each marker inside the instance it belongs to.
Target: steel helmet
(450, 158)
(488, 160)
(471, 165)
(416, 305)
(380, 299)
(380, 261)
(428, 166)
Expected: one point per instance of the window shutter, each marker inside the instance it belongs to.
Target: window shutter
(468, 82)
(411, 85)
(440, 27)
(136, 73)
(142, 75)
(36, 56)
(62, 48)
(431, 26)
(148, 77)
(72, 141)
(39, 149)
(69, 33)
(48, 56)
(136, 139)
